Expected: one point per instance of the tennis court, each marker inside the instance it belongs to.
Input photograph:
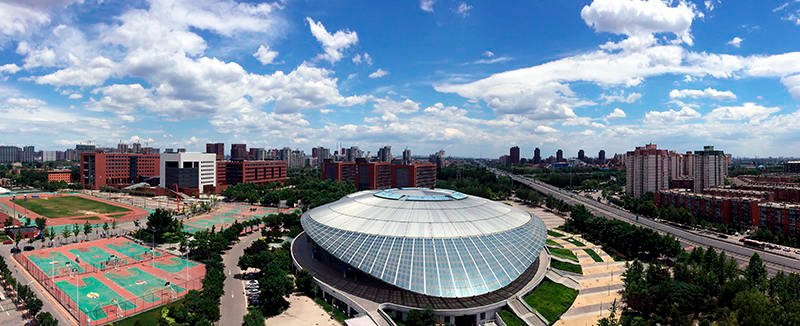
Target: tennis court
(174, 265)
(225, 215)
(93, 296)
(100, 293)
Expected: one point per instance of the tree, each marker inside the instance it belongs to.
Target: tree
(304, 282)
(114, 224)
(65, 233)
(46, 319)
(9, 221)
(33, 304)
(421, 317)
(752, 308)
(105, 226)
(254, 317)
(87, 228)
(756, 273)
(41, 222)
(52, 234)
(274, 286)
(76, 230)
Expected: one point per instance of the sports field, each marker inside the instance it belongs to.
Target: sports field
(113, 279)
(63, 206)
(225, 215)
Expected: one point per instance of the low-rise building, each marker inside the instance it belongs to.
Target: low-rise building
(59, 175)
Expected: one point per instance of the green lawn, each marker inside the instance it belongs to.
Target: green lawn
(564, 254)
(594, 255)
(573, 268)
(551, 299)
(575, 242)
(149, 317)
(63, 206)
(552, 243)
(338, 315)
(510, 318)
(554, 234)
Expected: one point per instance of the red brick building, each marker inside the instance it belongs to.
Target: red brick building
(59, 175)
(261, 172)
(779, 217)
(117, 169)
(380, 175)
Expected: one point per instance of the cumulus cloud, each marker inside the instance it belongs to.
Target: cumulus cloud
(265, 55)
(620, 97)
(671, 116)
(616, 114)
(735, 42)
(378, 73)
(749, 111)
(426, 5)
(365, 58)
(332, 44)
(542, 129)
(640, 18)
(702, 93)
(9, 68)
(488, 54)
(463, 9)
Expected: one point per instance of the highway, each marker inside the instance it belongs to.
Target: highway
(774, 262)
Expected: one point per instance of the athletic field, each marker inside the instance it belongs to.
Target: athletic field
(106, 280)
(60, 209)
(63, 206)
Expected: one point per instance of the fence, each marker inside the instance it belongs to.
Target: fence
(111, 311)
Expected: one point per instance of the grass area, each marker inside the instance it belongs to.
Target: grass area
(4, 237)
(510, 318)
(63, 206)
(576, 242)
(594, 255)
(89, 218)
(338, 315)
(552, 243)
(568, 267)
(564, 254)
(117, 215)
(551, 299)
(149, 317)
(554, 234)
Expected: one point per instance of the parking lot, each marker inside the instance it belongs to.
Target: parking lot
(251, 291)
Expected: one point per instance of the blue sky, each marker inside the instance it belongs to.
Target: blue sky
(470, 77)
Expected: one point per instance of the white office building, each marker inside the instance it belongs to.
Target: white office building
(188, 170)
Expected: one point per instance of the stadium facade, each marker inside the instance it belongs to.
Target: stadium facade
(386, 252)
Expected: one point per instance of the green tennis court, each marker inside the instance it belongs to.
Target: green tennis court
(140, 283)
(94, 295)
(91, 255)
(52, 263)
(131, 249)
(174, 265)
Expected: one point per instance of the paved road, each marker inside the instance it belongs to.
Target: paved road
(233, 303)
(48, 303)
(774, 262)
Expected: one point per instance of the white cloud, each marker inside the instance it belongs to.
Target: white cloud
(463, 9)
(333, 44)
(21, 18)
(9, 68)
(491, 60)
(426, 5)
(488, 54)
(378, 73)
(702, 93)
(365, 58)
(735, 42)
(92, 73)
(265, 55)
(616, 114)
(542, 129)
(75, 96)
(620, 97)
(749, 111)
(639, 18)
(121, 99)
(25, 103)
(389, 109)
(671, 116)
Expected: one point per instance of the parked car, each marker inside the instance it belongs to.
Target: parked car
(28, 248)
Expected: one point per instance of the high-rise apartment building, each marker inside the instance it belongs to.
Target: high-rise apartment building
(537, 156)
(559, 156)
(601, 156)
(238, 152)
(9, 154)
(438, 158)
(385, 154)
(218, 149)
(710, 168)
(406, 156)
(27, 155)
(647, 170)
(581, 155)
(513, 155)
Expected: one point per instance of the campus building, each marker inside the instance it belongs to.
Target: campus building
(189, 172)
(117, 169)
(380, 175)
(59, 175)
(381, 253)
(260, 172)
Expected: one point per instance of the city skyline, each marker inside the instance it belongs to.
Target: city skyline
(468, 77)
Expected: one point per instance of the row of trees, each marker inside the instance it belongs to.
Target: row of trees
(625, 239)
(646, 206)
(474, 180)
(24, 295)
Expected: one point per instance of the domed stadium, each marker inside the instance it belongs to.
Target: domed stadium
(412, 248)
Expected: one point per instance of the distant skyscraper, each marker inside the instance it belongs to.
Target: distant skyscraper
(385, 154)
(406, 156)
(710, 168)
(513, 155)
(216, 148)
(559, 156)
(27, 155)
(238, 152)
(581, 155)
(9, 154)
(122, 148)
(537, 156)
(647, 170)
(136, 147)
(438, 159)
(181, 150)
(601, 156)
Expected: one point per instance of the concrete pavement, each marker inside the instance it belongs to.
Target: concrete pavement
(233, 304)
